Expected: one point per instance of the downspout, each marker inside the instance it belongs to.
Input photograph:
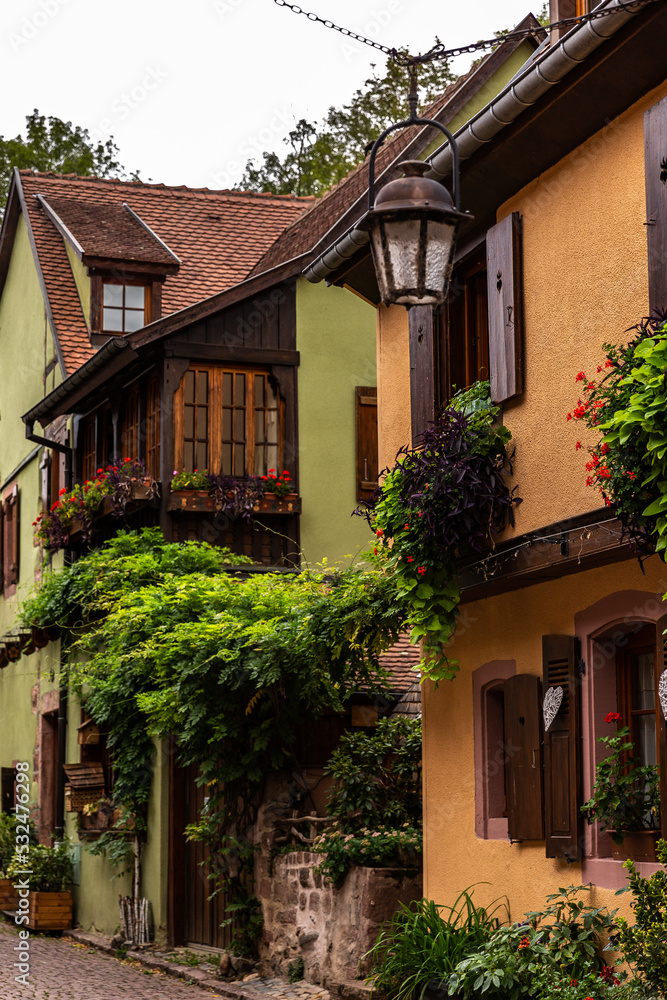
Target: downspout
(63, 694)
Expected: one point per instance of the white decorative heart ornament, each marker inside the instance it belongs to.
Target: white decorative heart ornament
(552, 702)
(662, 692)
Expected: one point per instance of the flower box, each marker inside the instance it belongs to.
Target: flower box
(270, 503)
(9, 899)
(638, 845)
(192, 500)
(49, 911)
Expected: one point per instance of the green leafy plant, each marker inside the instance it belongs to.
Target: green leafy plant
(50, 868)
(295, 970)
(425, 942)
(191, 480)
(626, 404)
(644, 943)
(280, 485)
(626, 793)
(377, 776)
(446, 498)
(8, 831)
(551, 984)
(246, 922)
(566, 936)
(368, 848)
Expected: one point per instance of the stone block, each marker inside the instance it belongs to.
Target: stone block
(317, 879)
(314, 902)
(288, 916)
(303, 899)
(304, 877)
(326, 904)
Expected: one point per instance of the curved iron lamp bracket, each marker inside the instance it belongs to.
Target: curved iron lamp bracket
(414, 119)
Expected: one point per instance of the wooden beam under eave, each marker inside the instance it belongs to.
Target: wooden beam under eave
(422, 370)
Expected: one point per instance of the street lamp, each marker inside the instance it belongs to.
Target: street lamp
(413, 225)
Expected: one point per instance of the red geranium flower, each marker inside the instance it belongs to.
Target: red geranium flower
(60, 492)
(379, 532)
(580, 377)
(612, 717)
(578, 445)
(421, 570)
(411, 558)
(524, 942)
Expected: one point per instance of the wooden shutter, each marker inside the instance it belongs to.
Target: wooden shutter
(655, 176)
(505, 305)
(422, 370)
(10, 533)
(660, 667)
(2, 545)
(562, 750)
(367, 440)
(523, 762)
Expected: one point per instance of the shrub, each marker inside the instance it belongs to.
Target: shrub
(426, 942)
(644, 944)
(50, 868)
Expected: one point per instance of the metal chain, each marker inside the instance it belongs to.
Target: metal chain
(440, 52)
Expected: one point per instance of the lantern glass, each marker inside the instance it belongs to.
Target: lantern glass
(413, 256)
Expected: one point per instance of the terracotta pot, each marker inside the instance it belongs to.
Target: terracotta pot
(638, 845)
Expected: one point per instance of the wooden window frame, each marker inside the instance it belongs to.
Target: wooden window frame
(152, 299)
(490, 755)
(467, 292)
(10, 540)
(130, 428)
(153, 426)
(215, 417)
(641, 642)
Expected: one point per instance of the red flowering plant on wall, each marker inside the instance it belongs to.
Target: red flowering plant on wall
(83, 502)
(625, 402)
(445, 499)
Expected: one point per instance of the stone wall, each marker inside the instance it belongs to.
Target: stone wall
(329, 928)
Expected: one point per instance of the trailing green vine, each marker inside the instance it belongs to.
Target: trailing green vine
(445, 499)
(162, 642)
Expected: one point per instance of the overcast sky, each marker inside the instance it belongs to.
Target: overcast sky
(190, 91)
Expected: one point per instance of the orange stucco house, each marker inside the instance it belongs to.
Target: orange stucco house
(568, 249)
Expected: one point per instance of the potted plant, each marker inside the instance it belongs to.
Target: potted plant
(49, 871)
(278, 496)
(10, 826)
(625, 797)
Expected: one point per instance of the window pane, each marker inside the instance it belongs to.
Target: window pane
(259, 427)
(259, 390)
(239, 390)
(239, 425)
(260, 464)
(239, 460)
(189, 387)
(188, 456)
(202, 387)
(112, 320)
(189, 421)
(202, 413)
(643, 683)
(645, 741)
(227, 424)
(134, 296)
(202, 456)
(226, 459)
(271, 456)
(272, 426)
(113, 296)
(227, 388)
(134, 320)
(271, 397)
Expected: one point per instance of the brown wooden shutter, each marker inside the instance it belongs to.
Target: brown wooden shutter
(562, 750)
(2, 545)
(422, 370)
(523, 762)
(660, 667)
(655, 168)
(367, 440)
(505, 304)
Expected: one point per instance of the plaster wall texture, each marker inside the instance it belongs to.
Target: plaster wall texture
(393, 366)
(585, 282)
(335, 335)
(81, 279)
(509, 626)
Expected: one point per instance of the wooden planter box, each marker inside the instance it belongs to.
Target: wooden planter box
(9, 899)
(638, 845)
(50, 911)
(198, 500)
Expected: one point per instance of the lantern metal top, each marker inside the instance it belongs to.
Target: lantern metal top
(415, 191)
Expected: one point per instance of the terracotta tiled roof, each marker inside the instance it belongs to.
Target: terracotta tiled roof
(398, 661)
(217, 235)
(313, 225)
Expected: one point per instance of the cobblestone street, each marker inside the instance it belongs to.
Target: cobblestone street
(61, 969)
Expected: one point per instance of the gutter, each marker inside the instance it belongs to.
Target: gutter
(521, 93)
(112, 350)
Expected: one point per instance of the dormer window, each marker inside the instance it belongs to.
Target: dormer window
(124, 307)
